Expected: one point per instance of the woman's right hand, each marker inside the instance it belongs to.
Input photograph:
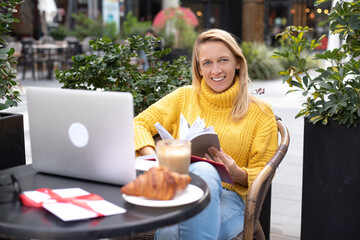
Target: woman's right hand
(147, 151)
(238, 174)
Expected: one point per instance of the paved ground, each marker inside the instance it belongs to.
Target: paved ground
(286, 193)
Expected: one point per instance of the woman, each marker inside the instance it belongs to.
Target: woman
(246, 128)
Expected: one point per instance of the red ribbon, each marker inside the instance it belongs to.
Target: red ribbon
(80, 201)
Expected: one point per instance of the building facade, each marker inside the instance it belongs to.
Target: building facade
(249, 20)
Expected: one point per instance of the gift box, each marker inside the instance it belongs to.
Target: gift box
(70, 204)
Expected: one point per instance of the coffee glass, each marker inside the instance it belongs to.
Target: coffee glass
(174, 154)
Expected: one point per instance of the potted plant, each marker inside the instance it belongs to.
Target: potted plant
(12, 147)
(114, 70)
(331, 182)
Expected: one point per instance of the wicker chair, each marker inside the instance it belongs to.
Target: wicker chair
(260, 187)
(256, 194)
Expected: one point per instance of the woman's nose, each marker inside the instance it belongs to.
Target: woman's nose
(217, 69)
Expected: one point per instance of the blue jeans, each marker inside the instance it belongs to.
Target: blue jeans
(223, 218)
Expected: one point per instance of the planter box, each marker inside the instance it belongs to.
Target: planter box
(331, 182)
(12, 145)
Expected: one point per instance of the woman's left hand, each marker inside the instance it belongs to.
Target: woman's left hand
(238, 175)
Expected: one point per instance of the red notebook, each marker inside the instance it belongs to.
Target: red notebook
(224, 174)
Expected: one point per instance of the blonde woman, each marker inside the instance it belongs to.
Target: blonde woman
(245, 125)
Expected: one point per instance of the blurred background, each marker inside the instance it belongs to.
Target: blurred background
(256, 20)
(70, 24)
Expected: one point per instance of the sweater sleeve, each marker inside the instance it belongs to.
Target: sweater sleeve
(263, 144)
(165, 111)
(263, 147)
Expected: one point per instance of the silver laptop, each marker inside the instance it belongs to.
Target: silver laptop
(82, 134)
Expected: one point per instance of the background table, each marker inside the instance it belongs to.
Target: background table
(49, 53)
(17, 221)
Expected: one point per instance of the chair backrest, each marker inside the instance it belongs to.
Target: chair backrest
(261, 185)
(46, 39)
(71, 39)
(86, 48)
(27, 51)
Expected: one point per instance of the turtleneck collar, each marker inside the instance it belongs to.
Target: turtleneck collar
(224, 99)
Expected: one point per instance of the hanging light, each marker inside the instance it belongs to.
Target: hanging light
(319, 10)
(307, 10)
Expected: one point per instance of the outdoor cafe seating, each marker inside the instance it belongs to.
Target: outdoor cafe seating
(256, 195)
(42, 57)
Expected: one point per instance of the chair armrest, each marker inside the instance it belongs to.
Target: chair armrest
(261, 184)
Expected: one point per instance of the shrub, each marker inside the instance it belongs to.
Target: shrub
(8, 91)
(85, 26)
(260, 63)
(59, 33)
(334, 93)
(114, 71)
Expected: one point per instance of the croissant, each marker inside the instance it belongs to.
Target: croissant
(157, 183)
(181, 180)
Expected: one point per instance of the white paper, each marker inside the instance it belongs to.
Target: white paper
(164, 134)
(198, 134)
(36, 196)
(68, 211)
(184, 127)
(106, 208)
(186, 132)
(70, 192)
(142, 163)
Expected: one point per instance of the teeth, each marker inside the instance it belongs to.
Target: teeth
(218, 79)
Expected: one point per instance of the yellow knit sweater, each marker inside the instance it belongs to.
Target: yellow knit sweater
(251, 142)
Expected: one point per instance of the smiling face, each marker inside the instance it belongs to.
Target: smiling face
(217, 65)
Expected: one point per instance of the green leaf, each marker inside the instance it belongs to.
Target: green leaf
(297, 84)
(326, 86)
(325, 121)
(318, 2)
(305, 81)
(284, 73)
(316, 119)
(292, 90)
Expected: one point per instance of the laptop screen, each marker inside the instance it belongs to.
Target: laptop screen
(82, 133)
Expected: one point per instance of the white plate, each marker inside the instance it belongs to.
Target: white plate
(191, 194)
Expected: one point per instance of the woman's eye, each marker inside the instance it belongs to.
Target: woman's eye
(223, 60)
(206, 63)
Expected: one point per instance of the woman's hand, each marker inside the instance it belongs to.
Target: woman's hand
(237, 174)
(147, 151)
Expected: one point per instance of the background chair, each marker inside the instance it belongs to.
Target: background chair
(46, 39)
(73, 49)
(256, 195)
(32, 58)
(85, 47)
(27, 55)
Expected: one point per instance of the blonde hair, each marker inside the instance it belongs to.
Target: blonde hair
(243, 99)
